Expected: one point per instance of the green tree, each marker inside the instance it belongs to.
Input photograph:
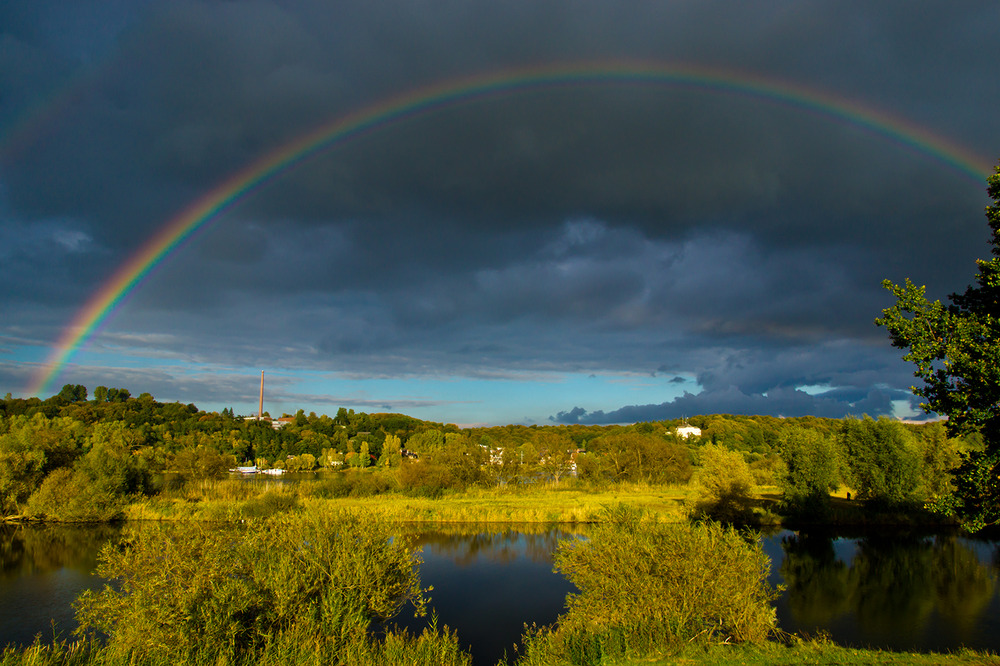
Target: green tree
(956, 351)
(101, 482)
(73, 392)
(202, 462)
(31, 448)
(812, 470)
(391, 452)
(883, 460)
(118, 395)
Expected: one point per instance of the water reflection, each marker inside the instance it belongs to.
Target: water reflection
(501, 546)
(42, 549)
(489, 584)
(42, 570)
(895, 590)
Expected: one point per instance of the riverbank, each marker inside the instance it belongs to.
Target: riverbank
(810, 653)
(818, 653)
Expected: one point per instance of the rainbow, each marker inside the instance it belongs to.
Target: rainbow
(271, 166)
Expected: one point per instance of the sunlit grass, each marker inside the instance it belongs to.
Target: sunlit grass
(551, 503)
(414, 651)
(816, 653)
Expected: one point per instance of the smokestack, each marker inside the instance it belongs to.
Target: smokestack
(260, 408)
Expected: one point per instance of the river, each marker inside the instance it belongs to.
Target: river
(894, 589)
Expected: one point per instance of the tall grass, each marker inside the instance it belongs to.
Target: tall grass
(361, 492)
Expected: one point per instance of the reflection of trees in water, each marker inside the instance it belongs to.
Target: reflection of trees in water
(816, 580)
(892, 580)
(964, 586)
(893, 585)
(28, 549)
(501, 546)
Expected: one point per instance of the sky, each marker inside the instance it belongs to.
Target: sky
(530, 211)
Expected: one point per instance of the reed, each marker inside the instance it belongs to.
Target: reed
(545, 504)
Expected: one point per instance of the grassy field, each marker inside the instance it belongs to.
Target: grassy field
(235, 500)
(224, 502)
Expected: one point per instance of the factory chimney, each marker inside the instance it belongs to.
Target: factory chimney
(260, 407)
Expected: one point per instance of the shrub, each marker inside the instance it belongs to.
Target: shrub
(70, 496)
(646, 585)
(426, 479)
(352, 483)
(268, 504)
(724, 486)
(279, 589)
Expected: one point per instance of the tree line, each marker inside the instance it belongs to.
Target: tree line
(75, 458)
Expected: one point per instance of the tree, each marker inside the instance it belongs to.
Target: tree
(202, 462)
(956, 349)
(73, 392)
(883, 461)
(391, 452)
(812, 470)
(117, 394)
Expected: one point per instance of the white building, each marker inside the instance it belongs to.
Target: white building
(686, 431)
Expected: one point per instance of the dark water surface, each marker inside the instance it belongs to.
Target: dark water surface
(899, 590)
(894, 589)
(42, 570)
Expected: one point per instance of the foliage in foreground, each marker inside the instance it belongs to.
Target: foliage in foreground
(645, 585)
(293, 589)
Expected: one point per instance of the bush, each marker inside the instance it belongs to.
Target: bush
(272, 592)
(268, 504)
(724, 488)
(644, 585)
(352, 483)
(426, 479)
(70, 496)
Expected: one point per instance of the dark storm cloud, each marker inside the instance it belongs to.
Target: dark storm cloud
(577, 229)
(780, 402)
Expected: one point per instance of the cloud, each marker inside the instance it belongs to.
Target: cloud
(730, 400)
(630, 228)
